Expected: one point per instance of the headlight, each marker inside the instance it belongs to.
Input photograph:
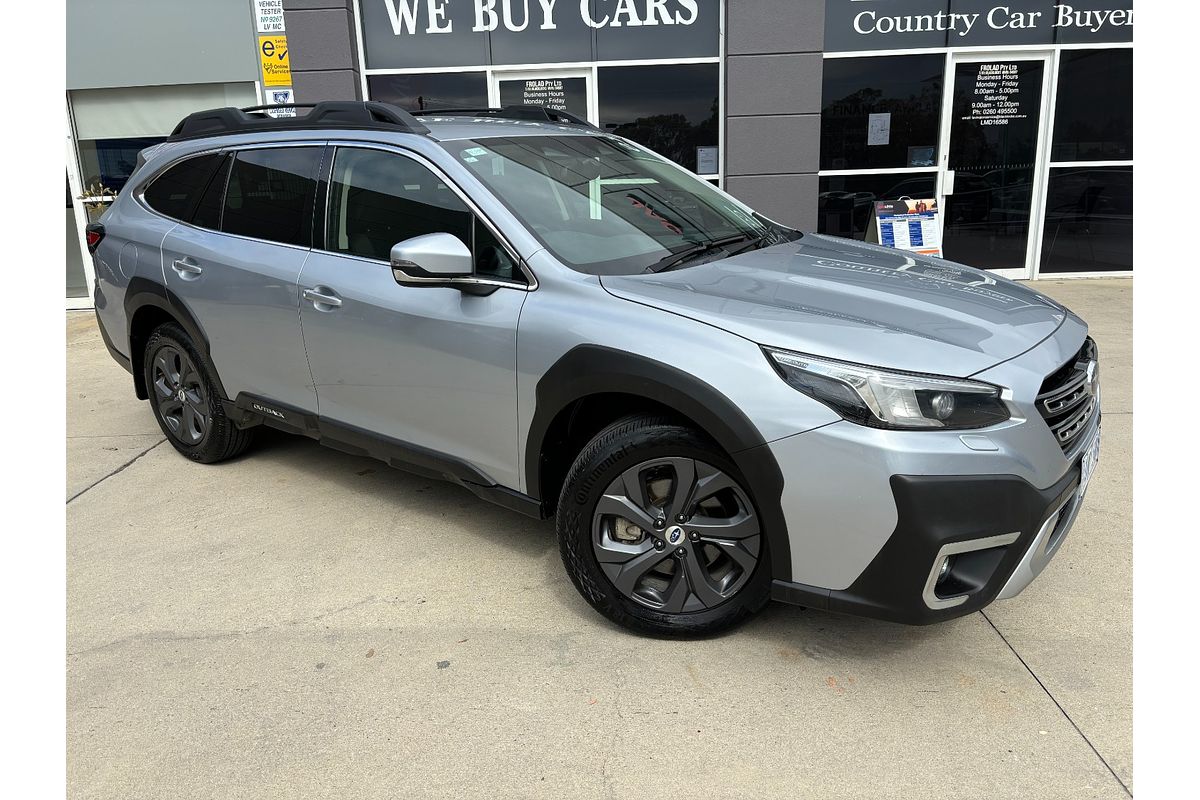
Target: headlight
(881, 399)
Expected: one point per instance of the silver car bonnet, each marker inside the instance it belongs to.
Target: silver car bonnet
(856, 302)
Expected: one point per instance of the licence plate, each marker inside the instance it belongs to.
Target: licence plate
(1088, 465)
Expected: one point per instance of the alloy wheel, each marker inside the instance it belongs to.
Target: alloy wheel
(676, 535)
(180, 395)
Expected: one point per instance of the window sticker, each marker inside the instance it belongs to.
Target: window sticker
(475, 151)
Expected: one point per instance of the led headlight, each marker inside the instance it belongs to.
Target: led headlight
(882, 399)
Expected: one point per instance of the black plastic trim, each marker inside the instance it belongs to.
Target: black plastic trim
(143, 292)
(592, 370)
(117, 355)
(934, 511)
(250, 409)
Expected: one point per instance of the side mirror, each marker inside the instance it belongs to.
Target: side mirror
(434, 259)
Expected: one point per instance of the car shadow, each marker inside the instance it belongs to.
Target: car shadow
(797, 633)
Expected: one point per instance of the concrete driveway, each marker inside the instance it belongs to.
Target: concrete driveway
(302, 623)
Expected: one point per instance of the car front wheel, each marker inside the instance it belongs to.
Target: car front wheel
(659, 533)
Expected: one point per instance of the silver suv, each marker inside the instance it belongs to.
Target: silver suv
(717, 409)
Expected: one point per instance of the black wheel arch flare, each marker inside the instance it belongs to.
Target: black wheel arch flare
(589, 370)
(143, 293)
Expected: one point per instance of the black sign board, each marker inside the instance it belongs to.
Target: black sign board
(855, 25)
(465, 33)
(561, 94)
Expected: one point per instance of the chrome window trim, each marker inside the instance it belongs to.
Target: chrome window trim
(531, 283)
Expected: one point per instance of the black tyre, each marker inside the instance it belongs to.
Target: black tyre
(185, 404)
(658, 532)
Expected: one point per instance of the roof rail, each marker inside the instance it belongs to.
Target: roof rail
(528, 113)
(331, 114)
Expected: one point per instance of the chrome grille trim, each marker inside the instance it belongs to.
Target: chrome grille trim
(1067, 401)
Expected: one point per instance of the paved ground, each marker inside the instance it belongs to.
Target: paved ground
(301, 623)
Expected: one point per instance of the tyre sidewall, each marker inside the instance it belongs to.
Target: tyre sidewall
(213, 445)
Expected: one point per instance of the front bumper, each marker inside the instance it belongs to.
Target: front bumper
(999, 529)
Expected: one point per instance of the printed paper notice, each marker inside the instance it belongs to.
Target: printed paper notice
(268, 16)
(879, 128)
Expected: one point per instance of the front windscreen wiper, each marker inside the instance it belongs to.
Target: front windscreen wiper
(697, 250)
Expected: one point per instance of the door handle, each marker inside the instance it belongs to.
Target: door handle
(187, 268)
(320, 296)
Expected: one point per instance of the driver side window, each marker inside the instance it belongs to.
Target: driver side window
(378, 199)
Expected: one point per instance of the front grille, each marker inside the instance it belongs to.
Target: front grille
(1070, 397)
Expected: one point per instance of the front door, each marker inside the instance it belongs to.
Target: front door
(990, 165)
(563, 90)
(429, 368)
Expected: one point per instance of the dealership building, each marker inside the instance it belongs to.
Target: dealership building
(1014, 117)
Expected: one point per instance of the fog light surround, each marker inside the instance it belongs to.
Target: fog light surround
(941, 571)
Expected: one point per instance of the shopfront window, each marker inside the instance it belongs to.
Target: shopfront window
(1094, 111)
(845, 201)
(880, 112)
(674, 110)
(76, 277)
(110, 162)
(430, 91)
(1089, 220)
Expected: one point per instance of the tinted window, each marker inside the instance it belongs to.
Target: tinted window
(175, 192)
(673, 110)
(208, 210)
(378, 199)
(270, 194)
(422, 92)
(1089, 220)
(881, 112)
(1094, 112)
(845, 201)
(108, 163)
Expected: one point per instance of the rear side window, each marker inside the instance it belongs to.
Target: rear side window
(175, 192)
(270, 194)
(378, 199)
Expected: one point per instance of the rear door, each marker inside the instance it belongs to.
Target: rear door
(236, 264)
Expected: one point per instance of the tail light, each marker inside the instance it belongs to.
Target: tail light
(95, 235)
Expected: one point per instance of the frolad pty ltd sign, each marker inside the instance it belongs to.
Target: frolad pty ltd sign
(437, 33)
(898, 24)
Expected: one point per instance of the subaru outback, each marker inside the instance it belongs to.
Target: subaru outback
(717, 410)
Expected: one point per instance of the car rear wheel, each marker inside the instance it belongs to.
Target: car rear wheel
(185, 404)
(659, 533)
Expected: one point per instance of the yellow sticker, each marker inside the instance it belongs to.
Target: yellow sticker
(273, 52)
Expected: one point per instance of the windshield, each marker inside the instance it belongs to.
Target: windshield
(603, 206)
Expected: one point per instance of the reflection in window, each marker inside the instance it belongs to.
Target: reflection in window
(881, 112)
(430, 91)
(1094, 111)
(110, 161)
(673, 110)
(1089, 220)
(76, 277)
(270, 195)
(845, 201)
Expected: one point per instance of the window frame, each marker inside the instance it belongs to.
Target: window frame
(321, 232)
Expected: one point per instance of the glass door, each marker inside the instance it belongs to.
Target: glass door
(569, 90)
(990, 166)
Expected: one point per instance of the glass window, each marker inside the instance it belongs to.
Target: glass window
(1093, 117)
(110, 162)
(844, 202)
(270, 194)
(379, 199)
(430, 91)
(208, 210)
(606, 207)
(881, 112)
(175, 192)
(673, 110)
(76, 277)
(1089, 220)
(491, 259)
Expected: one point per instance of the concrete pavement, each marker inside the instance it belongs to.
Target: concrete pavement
(303, 623)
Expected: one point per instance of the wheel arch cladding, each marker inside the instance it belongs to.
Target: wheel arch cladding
(149, 305)
(591, 372)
